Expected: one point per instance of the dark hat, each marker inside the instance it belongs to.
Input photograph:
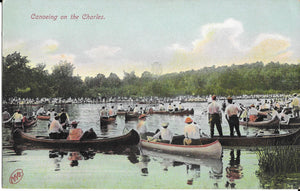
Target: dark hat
(214, 97)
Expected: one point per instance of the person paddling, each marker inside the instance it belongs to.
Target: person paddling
(191, 131)
(75, 133)
(165, 134)
(142, 126)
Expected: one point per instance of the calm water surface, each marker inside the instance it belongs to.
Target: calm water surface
(136, 168)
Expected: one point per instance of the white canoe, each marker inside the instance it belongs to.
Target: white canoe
(211, 150)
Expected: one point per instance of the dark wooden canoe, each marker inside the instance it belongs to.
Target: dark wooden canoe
(119, 112)
(268, 124)
(26, 125)
(107, 120)
(266, 140)
(131, 116)
(184, 112)
(21, 138)
(210, 150)
(293, 123)
(43, 117)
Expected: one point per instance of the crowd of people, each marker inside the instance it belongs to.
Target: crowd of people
(233, 112)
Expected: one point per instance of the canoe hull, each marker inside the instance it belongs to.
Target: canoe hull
(21, 138)
(271, 124)
(211, 150)
(267, 140)
(43, 117)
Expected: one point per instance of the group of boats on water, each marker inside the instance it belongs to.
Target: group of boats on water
(208, 147)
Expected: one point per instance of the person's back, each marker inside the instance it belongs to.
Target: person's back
(18, 117)
(5, 115)
(75, 133)
(191, 131)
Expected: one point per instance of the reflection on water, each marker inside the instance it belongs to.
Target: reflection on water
(234, 170)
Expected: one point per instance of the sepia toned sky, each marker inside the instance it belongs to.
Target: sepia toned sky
(153, 35)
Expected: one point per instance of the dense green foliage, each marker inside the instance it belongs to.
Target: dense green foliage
(21, 80)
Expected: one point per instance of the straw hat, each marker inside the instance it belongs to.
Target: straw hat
(188, 120)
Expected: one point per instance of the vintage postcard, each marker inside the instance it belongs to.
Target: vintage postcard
(173, 94)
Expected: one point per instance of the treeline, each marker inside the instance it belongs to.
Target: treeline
(21, 80)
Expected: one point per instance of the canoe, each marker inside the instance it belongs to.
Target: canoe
(131, 116)
(184, 112)
(293, 123)
(121, 112)
(21, 138)
(269, 124)
(210, 150)
(43, 117)
(26, 125)
(292, 138)
(107, 120)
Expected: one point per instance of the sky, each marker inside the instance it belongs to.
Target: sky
(151, 35)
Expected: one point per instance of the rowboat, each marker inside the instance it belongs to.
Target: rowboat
(107, 120)
(24, 139)
(43, 117)
(209, 150)
(27, 124)
(131, 116)
(292, 138)
(293, 123)
(183, 112)
(268, 124)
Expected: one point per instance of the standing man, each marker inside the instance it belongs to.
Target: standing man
(295, 106)
(214, 115)
(231, 114)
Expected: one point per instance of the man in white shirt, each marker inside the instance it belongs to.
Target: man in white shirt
(191, 131)
(166, 134)
(295, 105)
(55, 129)
(231, 114)
(214, 117)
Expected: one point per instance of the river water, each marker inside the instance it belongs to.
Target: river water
(142, 169)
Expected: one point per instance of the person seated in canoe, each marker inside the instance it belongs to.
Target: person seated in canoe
(5, 115)
(141, 110)
(265, 106)
(180, 107)
(191, 131)
(142, 126)
(64, 118)
(164, 134)
(161, 107)
(112, 112)
(90, 134)
(75, 133)
(25, 119)
(103, 112)
(255, 115)
(136, 109)
(55, 130)
(52, 115)
(16, 118)
(170, 107)
(120, 107)
(41, 111)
